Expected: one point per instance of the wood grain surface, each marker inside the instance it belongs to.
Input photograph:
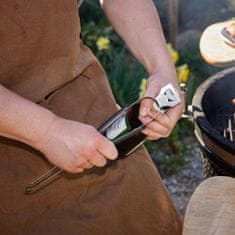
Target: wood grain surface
(211, 209)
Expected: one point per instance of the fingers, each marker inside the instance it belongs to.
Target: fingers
(87, 165)
(107, 148)
(163, 124)
(156, 130)
(94, 158)
(77, 170)
(81, 168)
(97, 159)
(79, 164)
(102, 151)
(147, 103)
(159, 126)
(95, 154)
(152, 135)
(174, 114)
(145, 107)
(87, 160)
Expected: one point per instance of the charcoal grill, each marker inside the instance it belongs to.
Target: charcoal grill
(214, 118)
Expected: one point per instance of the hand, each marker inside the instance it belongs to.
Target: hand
(74, 146)
(163, 124)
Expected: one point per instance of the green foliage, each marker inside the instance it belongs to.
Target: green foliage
(169, 153)
(91, 11)
(125, 75)
(171, 164)
(167, 162)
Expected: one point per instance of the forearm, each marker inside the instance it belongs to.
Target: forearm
(68, 144)
(137, 22)
(22, 119)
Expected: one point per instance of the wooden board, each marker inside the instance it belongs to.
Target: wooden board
(213, 47)
(211, 210)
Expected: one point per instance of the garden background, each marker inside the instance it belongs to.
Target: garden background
(178, 156)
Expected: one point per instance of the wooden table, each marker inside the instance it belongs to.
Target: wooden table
(211, 209)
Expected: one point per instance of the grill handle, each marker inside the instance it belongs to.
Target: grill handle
(188, 113)
(188, 108)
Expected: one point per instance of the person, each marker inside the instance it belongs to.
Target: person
(53, 96)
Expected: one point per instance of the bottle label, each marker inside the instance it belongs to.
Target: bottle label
(117, 128)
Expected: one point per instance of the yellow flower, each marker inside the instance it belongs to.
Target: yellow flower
(103, 43)
(183, 73)
(173, 53)
(143, 86)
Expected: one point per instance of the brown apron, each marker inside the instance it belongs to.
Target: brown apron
(43, 59)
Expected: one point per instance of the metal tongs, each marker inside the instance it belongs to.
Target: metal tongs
(167, 98)
(51, 175)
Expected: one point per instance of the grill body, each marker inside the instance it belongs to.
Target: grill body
(214, 118)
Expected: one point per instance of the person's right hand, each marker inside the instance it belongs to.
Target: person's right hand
(74, 146)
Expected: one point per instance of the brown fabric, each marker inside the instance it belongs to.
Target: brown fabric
(125, 198)
(40, 46)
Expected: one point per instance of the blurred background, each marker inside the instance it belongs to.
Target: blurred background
(178, 156)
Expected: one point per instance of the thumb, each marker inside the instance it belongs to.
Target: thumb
(148, 100)
(146, 106)
(107, 148)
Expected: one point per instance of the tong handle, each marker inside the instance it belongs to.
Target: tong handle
(44, 180)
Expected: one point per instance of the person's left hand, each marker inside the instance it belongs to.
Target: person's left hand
(163, 123)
